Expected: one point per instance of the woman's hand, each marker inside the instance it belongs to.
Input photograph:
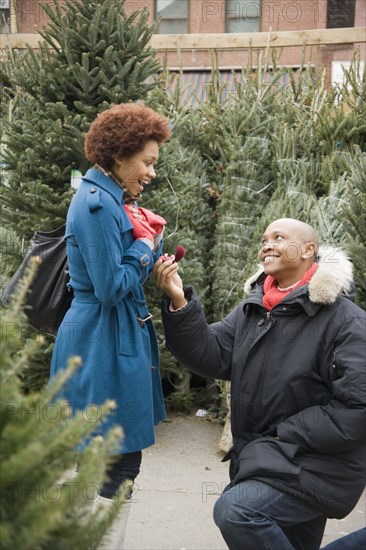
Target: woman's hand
(168, 280)
(141, 228)
(146, 224)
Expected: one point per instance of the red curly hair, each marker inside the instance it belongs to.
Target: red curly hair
(123, 130)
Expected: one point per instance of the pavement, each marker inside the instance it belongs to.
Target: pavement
(181, 477)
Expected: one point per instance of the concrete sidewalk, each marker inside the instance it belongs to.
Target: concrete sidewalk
(181, 477)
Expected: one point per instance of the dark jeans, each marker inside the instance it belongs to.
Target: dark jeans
(124, 467)
(353, 541)
(255, 516)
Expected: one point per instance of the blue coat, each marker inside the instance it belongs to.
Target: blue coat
(119, 353)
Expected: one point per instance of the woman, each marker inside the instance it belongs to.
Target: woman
(112, 247)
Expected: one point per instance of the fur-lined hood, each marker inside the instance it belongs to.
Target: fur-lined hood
(333, 277)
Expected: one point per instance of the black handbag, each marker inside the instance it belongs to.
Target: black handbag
(48, 297)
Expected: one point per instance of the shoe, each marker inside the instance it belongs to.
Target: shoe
(115, 536)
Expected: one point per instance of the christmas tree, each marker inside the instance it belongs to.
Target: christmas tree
(43, 505)
(92, 55)
(271, 151)
(314, 160)
(179, 194)
(353, 217)
(316, 168)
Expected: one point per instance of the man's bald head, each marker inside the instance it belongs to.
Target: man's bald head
(301, 231)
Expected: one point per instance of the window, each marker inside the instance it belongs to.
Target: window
(341, 14)
(4, 16)
(243, 15)
(174, 14)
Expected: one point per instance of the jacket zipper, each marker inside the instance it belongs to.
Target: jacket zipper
(269, 318)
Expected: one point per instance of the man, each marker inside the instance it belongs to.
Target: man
(294, 351)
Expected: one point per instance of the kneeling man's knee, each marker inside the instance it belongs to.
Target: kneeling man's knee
(226, 512)
(219, 512)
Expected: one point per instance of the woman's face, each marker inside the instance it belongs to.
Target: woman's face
(138, 170)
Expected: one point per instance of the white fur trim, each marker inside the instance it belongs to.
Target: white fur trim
(333, 277)
(252, 279)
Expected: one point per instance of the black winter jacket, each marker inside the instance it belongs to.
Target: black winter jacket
(298, 384)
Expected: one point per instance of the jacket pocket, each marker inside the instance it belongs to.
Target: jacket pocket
(307, 393)
(128, 332)
(269, 457)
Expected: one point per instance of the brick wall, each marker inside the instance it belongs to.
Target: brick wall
(30, 15)
(344, 52)
(208, 16)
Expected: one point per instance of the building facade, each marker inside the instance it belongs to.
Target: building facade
(225, 16)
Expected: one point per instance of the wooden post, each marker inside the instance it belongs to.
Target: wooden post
(13, 18)
(226, 440)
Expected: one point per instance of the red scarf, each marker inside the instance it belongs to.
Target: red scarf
(272, 296)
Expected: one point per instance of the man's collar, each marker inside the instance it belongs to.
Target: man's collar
(299, 296)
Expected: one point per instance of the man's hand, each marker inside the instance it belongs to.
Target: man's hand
(168, 280)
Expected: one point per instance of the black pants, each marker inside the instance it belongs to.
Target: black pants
(124, 467)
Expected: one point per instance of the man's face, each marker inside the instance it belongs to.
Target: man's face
(282, 249)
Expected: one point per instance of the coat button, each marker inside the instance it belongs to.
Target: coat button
(144, 260)
(260, 323)
(93, 190)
